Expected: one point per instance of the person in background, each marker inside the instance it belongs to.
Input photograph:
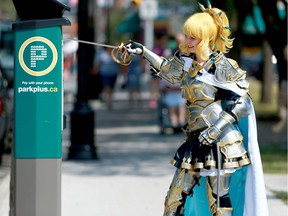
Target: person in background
(171, 98)
(108, 70)
(221, 145)
(133, 79)
(171, 94)
(154, 88)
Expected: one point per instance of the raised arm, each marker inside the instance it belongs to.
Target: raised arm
(171, 70)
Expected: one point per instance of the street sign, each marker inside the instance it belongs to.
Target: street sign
(148, 10)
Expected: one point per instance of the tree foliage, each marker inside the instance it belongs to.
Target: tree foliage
(7, 10)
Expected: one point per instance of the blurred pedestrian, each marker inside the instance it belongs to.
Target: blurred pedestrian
(132, 80)
(108, 69)
(172, 99)
(221, 135)
(154, 88)
(170, 95)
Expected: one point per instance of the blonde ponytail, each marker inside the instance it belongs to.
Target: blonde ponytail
(212, 27)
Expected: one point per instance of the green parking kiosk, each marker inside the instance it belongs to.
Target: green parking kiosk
(38, 107)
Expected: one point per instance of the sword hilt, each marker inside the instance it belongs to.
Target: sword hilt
(121, 55)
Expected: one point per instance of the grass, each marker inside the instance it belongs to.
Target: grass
(266, 109)
(274, 159)
(283, 195)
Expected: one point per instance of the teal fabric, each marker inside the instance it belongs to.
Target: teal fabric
(197, 204)
(259, 22)
(238, 179)
(130, 25)
(254, 23)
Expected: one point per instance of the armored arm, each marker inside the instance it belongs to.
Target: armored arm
(170, 70)
(234, 112)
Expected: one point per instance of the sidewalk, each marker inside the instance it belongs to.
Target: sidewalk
(132, 174)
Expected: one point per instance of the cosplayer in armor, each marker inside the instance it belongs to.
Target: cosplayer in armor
(217, 99)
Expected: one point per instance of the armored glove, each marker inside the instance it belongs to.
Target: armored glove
(134, 48)
(209, 135)
(138, 49)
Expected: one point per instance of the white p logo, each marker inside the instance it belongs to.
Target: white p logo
(38, 53)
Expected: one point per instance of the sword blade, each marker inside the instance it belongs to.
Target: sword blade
(92, 43)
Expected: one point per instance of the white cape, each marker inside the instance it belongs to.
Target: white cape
(255, 193)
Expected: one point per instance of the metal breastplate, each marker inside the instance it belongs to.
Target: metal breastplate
(199, 96)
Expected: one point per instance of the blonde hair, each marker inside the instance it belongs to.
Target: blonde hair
(212, 28)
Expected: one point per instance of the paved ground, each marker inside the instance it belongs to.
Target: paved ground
(133, 172)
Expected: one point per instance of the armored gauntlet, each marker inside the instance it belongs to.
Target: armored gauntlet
(134, 48)
(138, 49)
(240, 109)
(209, 135)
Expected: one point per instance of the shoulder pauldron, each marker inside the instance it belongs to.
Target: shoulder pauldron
(227, 70)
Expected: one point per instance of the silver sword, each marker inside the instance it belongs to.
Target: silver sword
(92, 43)
(218, 167)
(123, 59)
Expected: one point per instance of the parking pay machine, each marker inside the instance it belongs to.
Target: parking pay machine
(38, 107)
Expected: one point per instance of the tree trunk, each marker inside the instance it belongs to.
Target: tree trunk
(268, 75)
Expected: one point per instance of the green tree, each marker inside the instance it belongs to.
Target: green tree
(7, 10)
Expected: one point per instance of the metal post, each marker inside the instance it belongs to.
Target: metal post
(148, 12)
(82, 117)
(149, 34)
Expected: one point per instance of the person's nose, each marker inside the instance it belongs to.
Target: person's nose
(188, 41)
